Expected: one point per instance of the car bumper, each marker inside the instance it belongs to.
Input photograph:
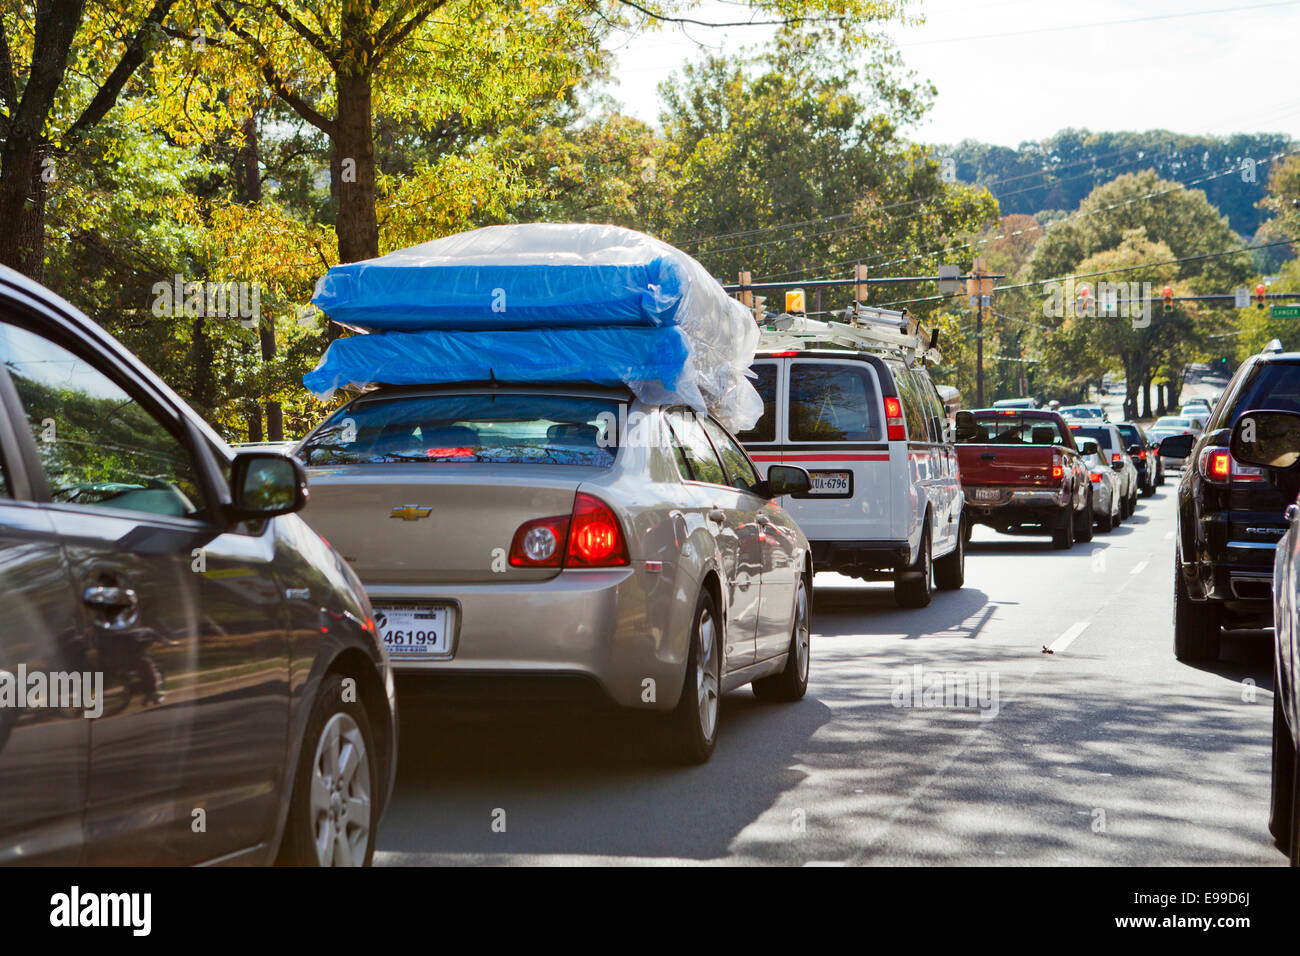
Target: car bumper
(604, 628)
(859, 557)
(1017, 506)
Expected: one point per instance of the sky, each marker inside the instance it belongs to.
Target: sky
(1014, 70)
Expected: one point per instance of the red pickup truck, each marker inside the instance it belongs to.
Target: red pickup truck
(1021, 469)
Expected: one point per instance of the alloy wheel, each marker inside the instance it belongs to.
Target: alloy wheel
(340, 793)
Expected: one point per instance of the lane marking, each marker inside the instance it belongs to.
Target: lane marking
(1140, 567)
(1066, 639)
(1169, 535)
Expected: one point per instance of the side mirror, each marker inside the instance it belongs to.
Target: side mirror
(966, 427)
(1266, 439)
(786, 480)
(1177, 446)
(1089, 447)
(1134, 449)
(1117, 465)
(264, 484)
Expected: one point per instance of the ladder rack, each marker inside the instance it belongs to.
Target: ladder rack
(863, 328)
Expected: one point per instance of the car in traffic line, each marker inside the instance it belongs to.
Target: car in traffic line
(1114, 449)
(1170, 455)
(1021, 470)
(568, 539)
(1084, 413)
(1107, 508)
(886, 501)
(226, 653)
(1144, 454)
(1027, 403)
(1270, 440)
(1229, 516)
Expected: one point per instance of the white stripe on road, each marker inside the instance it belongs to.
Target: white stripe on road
(1169, 535)
(1066, 639)
(1141, 566)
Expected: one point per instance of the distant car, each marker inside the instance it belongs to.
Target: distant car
(1015, 403)
(1197, 415)
(1273, 444)
(1115, 452)
(1084, 412)
(1142, 452)
(1192, 404)
(218, 633)
(1180, 423)
(568, 541)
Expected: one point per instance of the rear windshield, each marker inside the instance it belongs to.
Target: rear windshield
(833, 402)
(1173, 423)
(1130, 433)
(1005, 429)
(1101, 436)
(765, 428)
(501, 428)
(1273, 385)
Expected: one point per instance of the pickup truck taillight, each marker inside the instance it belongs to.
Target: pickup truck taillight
(1058, 466)
(894, 427)
(1218, 466)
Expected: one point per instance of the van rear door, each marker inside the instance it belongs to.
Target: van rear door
(831, 422)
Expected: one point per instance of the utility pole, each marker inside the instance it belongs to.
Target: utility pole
(978, 286)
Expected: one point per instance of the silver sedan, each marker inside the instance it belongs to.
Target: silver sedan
(568, 535)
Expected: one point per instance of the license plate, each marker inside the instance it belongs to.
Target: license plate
(830, 482)
(986, 494)
(415, 631)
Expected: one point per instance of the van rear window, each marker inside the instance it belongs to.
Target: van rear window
(833, 402)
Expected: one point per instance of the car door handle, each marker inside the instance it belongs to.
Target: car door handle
(718, 515)
(120, 605)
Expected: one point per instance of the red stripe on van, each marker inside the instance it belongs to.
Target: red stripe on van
(784, 458)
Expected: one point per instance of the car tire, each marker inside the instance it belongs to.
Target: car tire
(792, 683)
(1284, 809)
(338, 732)
(1149, 488)
(1063, 536)
(968, 529)
(692, 728)
(950, 570)
(1197, 625)
(915, 591)
(1106, 523)
(1083, 522)
(1133, 503)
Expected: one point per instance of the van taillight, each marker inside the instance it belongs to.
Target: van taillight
(595, 540)
(894, 427)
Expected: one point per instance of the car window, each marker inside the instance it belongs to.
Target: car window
(1270, 385)
(98, 446)
(740, 472)
(1103, 436)
(511, 428)
(1008, 428)
(764, 429)
(932, 406)
(913, 410)
(833, 402)
(700, 456)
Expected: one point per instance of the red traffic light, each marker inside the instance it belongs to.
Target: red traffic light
(1261, 291)
(1168, 293)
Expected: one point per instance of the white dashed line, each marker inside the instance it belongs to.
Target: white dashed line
(1066, 639)
(1140, 567)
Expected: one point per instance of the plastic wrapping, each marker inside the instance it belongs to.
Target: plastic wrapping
(655, 363)
(545, 277)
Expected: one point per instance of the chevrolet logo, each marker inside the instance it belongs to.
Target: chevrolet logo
(411, 512)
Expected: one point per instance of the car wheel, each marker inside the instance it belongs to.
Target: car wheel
(1083, 521)
(1196, 625)
(1133, 503)
(950, 570)
(968, 529)
(1283, 807)
(1149, 488)
(1106, 522)
(331, 817)
(692, 728)
(792, 683)
(914, 590)
(1063, 535)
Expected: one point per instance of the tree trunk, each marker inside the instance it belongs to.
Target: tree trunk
(1146, 395)
(357, 227)
(255, 424)
(22, 202)
(266, 324)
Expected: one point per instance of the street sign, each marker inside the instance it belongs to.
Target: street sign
(1284, 312)
(1241, 298)
(949, 280)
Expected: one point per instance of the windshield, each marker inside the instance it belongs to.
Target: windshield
(1006, 429)
(1100, 435)
(1173, 423)
(496, 428)
(1081, 411)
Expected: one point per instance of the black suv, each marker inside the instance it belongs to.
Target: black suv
(1229, 516)
(1142, 451)
(243, 706)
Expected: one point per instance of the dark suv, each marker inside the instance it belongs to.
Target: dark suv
(242, 705)
(1229, 516)
(1142, 452)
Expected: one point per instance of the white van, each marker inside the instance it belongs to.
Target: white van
(869, 426)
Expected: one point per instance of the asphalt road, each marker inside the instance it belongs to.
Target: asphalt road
(1107, 751)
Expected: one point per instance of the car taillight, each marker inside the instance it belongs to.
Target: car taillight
(1142, 453)
(895, 431)
(1096, 477)
(540, 543)
(449, 453)
(596, 540)
(1058, 471)
(1116, 458)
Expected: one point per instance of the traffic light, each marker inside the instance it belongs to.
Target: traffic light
(1261, 291)
(1167, 293)
(1083, 305)
(794, 302)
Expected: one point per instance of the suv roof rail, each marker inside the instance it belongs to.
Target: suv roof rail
(863, 328)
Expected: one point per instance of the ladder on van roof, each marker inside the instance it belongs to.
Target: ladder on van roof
(863, 328)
